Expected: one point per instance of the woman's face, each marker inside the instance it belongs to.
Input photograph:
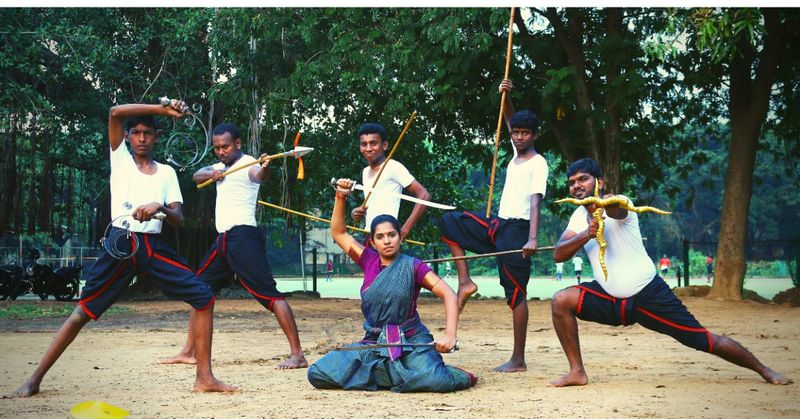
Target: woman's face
(386, 240)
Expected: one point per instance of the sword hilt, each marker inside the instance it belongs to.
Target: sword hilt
(335, 186)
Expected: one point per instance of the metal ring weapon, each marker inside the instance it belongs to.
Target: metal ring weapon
(114, 241)
(182, 150)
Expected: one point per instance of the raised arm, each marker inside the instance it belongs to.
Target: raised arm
(338, 226)
(118, 114)
(508, 110)
(419, 191)
(260, 172)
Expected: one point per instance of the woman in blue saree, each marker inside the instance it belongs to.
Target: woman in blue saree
(392, 282)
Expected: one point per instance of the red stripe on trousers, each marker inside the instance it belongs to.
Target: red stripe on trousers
(481, 222)
(208, 262)
(271, 299)
(171, 262)
(669, 323)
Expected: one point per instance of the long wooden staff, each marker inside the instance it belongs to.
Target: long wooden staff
(389, 157)
(296, 152)
(485, 255)
(500, 118)
(325, 220)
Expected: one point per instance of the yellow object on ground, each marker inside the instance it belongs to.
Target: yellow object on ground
(92, 409)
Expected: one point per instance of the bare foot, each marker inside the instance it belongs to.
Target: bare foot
(26, 390)
(577, 378)
(512, 366)
(294, 361)
(464, 292)
(214, 385)
(774, 377)
(179, 359)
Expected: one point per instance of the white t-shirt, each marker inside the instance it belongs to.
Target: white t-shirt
(522, 181)
(560, 267)
(395, 178)
(236, 197)
(131, 188)
(629, 267)
(577, 262)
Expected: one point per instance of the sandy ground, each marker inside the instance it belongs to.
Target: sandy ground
(633, 372)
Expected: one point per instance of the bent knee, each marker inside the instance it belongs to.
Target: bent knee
(566, 299)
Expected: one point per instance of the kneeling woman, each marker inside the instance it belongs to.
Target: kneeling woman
(392, 282)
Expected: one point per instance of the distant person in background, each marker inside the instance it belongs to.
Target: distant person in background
(329, 271)
(447, 269)
(559, 270)
(678, 273)
(664, 265)
(709, 268)
(577, 265)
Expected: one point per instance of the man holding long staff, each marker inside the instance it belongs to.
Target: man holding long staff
(240, 250)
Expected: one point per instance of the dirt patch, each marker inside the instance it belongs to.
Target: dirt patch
(633, 371)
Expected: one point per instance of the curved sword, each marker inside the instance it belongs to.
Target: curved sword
(398, 195)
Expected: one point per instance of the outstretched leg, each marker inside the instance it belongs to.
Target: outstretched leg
(285, 317)
(202, 330)
(186, 355)
(520, 320)
(466, 286)
(732, 351)
(564, 306)
(64, 337)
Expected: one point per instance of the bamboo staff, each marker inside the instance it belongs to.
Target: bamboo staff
(296, 152)
(389, 157)
(324, 220)
(500, 118)
(485, 255)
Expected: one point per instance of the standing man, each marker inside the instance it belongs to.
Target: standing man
(142, 188)
(709, 268)
(633, 292)
(240, 250)
(559, 270)
(577, 266)
(372, 144)
(516, 226)
(664, 265)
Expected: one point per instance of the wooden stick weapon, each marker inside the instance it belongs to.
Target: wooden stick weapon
(296, 152)
(324, 220)
(500, 118)
(389, 157)
(485, 255)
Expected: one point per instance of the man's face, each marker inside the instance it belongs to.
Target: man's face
(226, 148)
(372, 147)
(581, 185)
(522, 138)
(142, 138)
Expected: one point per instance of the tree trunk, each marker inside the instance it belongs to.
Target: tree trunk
(748, 104)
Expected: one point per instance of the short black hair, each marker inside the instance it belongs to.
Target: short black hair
(525, 119)
(383, 218)
(224, 127)
(585, 165)
(373, 128)
(146, 120)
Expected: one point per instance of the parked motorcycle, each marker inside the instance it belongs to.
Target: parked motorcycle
(62, 283)
(40, 279)
(12, 282)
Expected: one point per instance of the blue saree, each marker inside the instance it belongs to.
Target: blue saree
(389, 317)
